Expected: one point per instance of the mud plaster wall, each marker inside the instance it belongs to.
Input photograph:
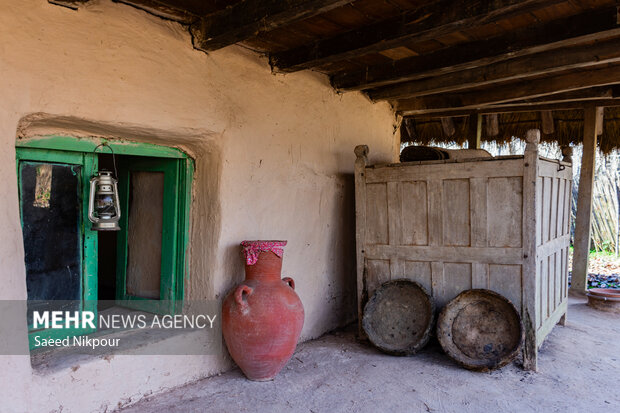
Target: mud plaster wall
(274, 160)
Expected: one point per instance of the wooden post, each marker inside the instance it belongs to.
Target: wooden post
(583, 219)
(531, 301)
(361, 152)
(447, 124)
(475, 131)
(492, 121)
(547, 122)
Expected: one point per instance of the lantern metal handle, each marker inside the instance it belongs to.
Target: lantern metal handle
(91, 201)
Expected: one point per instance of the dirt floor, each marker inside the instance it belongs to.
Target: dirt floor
(579, 371)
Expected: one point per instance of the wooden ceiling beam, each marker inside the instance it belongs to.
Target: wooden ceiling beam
(455, 113)
(427, 22)
(592, 93)
(250, 17)
(569, 100)
(545, 63)
(587, 27)
(162, 9)
(72, 4)
(607, 75)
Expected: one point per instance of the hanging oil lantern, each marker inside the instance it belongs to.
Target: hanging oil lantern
(103, 205)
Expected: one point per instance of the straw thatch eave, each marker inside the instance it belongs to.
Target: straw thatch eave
(568, 129)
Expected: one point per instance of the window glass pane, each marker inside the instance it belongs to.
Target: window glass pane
(144, 239)
(50, 210)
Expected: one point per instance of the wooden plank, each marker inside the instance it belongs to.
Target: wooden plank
(550, 247)
(568, 193)
(550, 169)
(495, 168)
(361, 153)
(505, 212)
(435, 216)
(568, 206)
(529, 254)
(72, 4)
(394, 211)
(377, 272)
(377, 231)
(397, 269)
(544, 290)
(455, 203)
(555, 182)
(551, 290)
(600, 116)
(161, 9)
(552, 102)
(579, 57)
(437, 280)
(419, 272)
(563, 273)
(545, 204)
(414, 198)
(480, 275)
(601, 76)
(566, 270)
(584, 202)
(478, 210)
(438, 253)
(506, 280)
(559, 222)
(447, 126)
(474, 133)
(248, 18)
(427, 22)
(547, 122)
(550, 322)
(457, 278)
(539, 210)
(492, 122)
(558, 277)
(586, 27)
(538, 295)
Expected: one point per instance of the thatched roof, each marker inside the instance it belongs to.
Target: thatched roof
(568, 128)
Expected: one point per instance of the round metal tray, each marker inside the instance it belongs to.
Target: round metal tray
(480, 329)
(398, 318)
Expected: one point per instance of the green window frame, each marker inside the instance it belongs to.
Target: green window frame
(178, 171)
(87, 237)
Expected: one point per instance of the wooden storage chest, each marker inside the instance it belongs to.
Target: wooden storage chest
(499, 223)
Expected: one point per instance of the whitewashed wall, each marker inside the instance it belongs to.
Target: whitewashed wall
(274, 160)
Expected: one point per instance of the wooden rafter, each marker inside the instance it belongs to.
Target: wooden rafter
(583, 28)
(455, 113)
(545, 63)
(250, 17)
(427, 22)
(607, 75)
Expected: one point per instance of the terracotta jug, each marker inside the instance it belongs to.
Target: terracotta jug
(263, 316)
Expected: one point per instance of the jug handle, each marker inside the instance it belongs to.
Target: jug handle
(289, 281)
(243, 304)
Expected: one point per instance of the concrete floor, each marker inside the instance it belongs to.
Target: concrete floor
(579, 371)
